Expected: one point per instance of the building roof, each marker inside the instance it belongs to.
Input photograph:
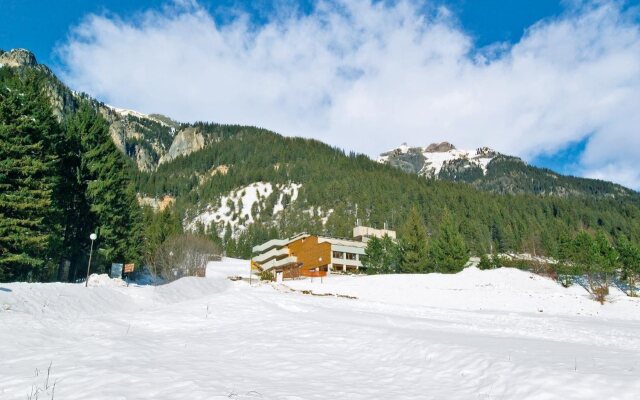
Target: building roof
(341, 242)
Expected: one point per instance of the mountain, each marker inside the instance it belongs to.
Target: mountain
(488, 170)
(144, 138)
(243, 185)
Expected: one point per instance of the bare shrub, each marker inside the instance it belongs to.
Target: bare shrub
(181, 255)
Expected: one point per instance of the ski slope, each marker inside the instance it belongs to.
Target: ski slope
(464, 336)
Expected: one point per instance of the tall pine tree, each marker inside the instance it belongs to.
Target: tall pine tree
(448, 250)
(29, 215)
(115, 214)
(414, 243)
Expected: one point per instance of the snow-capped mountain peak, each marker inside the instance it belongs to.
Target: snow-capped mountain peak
(430, 160)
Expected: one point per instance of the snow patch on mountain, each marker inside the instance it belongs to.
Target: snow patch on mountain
(436, 160)
(438, 155)
(123, 112)
(242, 206)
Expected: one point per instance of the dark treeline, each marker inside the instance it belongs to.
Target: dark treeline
(59, 182)
(355, 187)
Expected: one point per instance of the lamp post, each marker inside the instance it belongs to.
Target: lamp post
(171, 269)
(93, 237)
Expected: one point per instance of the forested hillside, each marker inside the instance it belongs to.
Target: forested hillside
(344, 187)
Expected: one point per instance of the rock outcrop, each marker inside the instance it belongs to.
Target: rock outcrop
(439, 147)
(186, 142)
(18, 58)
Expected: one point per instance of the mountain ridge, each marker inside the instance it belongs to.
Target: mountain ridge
(153, 139)
(487, 169)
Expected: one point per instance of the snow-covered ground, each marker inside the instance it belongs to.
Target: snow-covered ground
(500, 334)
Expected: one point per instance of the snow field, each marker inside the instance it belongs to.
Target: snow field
(236, 207)
(210, 338)
(435, 160)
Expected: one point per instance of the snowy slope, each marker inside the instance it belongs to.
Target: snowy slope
(236, 208)
(210, 338)
(504, 289)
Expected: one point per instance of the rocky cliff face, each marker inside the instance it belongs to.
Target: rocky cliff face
(186, 141)
(144, 138)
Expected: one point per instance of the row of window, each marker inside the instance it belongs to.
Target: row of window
(348, 256)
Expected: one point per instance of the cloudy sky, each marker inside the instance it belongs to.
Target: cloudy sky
(555, 82)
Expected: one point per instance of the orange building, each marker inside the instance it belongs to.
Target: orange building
(308, 255)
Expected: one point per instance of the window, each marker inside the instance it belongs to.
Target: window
(338, 254)
(351, 256)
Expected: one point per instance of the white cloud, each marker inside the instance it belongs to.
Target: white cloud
(367, 76)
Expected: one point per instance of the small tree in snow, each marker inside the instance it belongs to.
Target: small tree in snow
(382, 256)
(448, 250)
(597, 259)
(414, 244)
(630, 261)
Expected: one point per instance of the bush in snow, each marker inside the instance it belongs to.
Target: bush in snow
(485, 262)
(181, 255)
(266, 276)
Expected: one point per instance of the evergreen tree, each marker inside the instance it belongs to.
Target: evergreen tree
(391, 255)
(109, 192)
(485, 262)
(607, 261)
(158, 227)
(373, 260)
(630, 261)
(78, 220)
(29, 212)
(448, 251)
(414, 244)
(597, 259)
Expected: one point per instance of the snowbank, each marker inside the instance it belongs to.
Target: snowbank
(105, 280)
(502, 289)
(108, 295)
(228, 267)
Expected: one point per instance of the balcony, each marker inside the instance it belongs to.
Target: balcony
(279, 263)
(275, 253)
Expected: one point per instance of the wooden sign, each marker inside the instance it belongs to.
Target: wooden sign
(128, 268)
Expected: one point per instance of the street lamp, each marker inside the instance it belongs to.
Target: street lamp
(93, 237)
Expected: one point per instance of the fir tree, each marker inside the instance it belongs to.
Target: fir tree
(630, 262)
(29, 213)
(391, 255)
(448, 250)
(414, 244)
(373, 260)
(109, 191)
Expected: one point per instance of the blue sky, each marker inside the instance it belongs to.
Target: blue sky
(551, 81)
(40, 25)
